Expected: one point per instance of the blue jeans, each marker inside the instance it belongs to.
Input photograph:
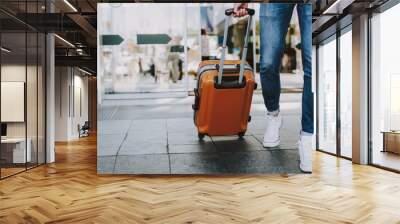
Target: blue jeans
(274, 22)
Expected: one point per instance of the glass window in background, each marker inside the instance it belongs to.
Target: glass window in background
(15, 148)
(22, 92)
(346, 93)
(41, 107)
(385, 84)
(31, 96)
(327, 96)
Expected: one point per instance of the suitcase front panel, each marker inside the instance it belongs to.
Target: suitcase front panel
(223, 111)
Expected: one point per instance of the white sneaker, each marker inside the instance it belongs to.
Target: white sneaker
(305, 152)
(271, 136)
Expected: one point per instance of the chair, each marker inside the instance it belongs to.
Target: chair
(84, 130)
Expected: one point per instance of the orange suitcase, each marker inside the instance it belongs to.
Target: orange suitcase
(224, 92)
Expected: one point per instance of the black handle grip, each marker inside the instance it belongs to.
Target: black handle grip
(230, 11)
(233, 70)
(229, 82)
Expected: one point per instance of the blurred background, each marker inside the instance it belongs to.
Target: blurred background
(159, 46)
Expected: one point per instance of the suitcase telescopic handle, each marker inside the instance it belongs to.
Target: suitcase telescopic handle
(229, 13)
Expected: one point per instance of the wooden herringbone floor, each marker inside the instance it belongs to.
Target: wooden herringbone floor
(70, 191)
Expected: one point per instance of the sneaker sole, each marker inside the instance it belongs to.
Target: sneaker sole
(271, 144)
(304, 171)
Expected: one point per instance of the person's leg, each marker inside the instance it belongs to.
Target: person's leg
(307, 119)
(274, 22)
(305, 15)
(175, 70)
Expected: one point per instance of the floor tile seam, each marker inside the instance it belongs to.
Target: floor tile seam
(169, 157)
(120, 146)
(114, 112)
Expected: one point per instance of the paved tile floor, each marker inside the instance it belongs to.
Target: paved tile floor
(159, 137)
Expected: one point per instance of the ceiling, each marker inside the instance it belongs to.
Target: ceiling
(74, 22)
(331, 15)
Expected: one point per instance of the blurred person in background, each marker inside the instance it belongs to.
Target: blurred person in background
(205, 45)
(174, 58)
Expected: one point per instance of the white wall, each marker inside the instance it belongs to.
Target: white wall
(14, 73)
(17, 73)
(80, 109)
(62, 81)
(71, 96)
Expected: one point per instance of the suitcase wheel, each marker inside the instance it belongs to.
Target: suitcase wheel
(201, 136)
(241, 135)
